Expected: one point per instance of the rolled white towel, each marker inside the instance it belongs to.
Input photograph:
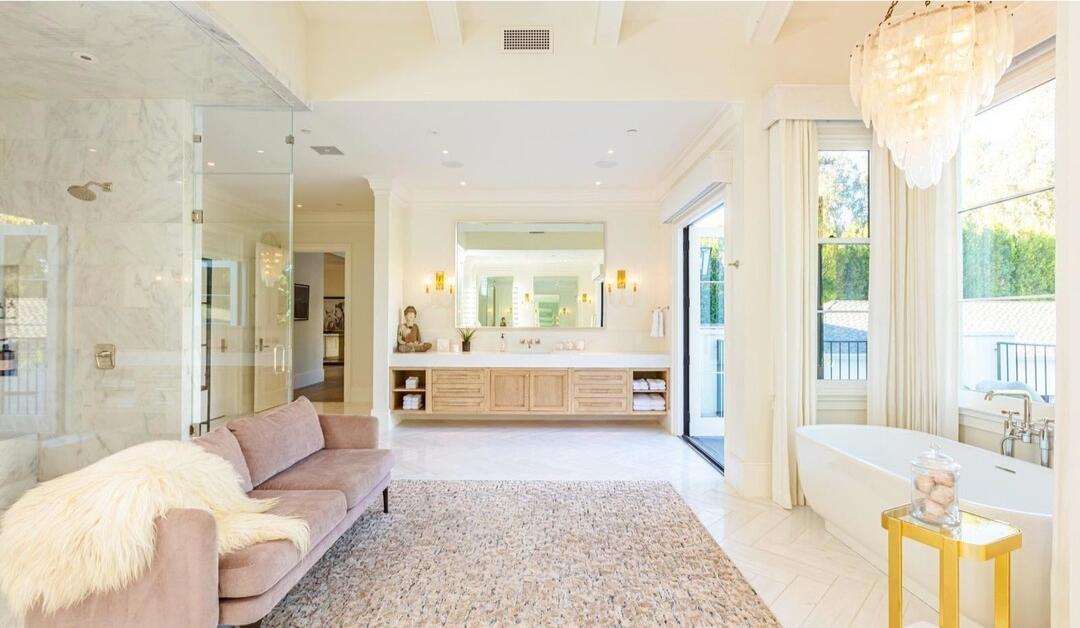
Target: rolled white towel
(656, 384)
(641, 384)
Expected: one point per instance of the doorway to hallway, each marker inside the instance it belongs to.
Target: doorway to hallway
(703, 351)
(319, 325)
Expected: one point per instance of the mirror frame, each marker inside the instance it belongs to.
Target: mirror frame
(457, 280)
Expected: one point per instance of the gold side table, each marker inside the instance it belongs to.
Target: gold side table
(976, 537)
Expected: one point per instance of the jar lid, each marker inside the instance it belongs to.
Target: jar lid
(934, 459)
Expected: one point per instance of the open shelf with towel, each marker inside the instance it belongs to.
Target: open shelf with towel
(409, 390)
(649, 391)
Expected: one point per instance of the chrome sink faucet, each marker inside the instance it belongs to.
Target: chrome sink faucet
(1026, 429)
(530, 342)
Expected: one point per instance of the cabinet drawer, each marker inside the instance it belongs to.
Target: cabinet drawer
(457, 405)
(600, 405)
(457, 376)
(458, 389)
(607, 377)
(600, 390)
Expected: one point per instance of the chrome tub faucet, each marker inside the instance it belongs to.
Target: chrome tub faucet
(1027, 429)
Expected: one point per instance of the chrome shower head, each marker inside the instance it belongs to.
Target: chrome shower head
(84, 193)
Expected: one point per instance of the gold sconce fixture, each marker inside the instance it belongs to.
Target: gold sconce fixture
(439, 290)
(623, 290)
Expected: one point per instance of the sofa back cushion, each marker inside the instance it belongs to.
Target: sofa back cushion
(276, 439)
(221, 442)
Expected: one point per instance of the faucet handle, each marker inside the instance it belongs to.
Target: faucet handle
(1010, 418)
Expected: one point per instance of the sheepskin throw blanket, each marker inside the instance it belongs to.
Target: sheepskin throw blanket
(93, 530)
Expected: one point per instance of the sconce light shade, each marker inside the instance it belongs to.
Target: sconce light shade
(440, 280)
(620, 279)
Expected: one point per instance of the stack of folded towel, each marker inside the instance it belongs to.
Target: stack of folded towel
(646, 385)
(412, 402)
(412, 383)
(649, 402)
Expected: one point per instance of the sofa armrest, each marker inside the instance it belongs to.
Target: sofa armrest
(178, 590)
(346, 431)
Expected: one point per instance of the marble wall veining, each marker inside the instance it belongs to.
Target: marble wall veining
(117, 270)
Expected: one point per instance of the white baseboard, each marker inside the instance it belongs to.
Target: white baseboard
(308, 378)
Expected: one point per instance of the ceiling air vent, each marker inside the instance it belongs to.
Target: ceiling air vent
(534, 39)
(327, 150)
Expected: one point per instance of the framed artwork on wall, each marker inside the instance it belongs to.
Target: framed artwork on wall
(301, 301)
(334, 315)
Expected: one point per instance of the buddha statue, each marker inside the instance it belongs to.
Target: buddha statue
(408, 334)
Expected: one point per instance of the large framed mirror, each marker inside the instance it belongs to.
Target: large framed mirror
(530, 274)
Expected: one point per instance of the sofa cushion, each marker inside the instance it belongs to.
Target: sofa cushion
(276, 439)
(221, 442)
(354, 472)
(254, 569)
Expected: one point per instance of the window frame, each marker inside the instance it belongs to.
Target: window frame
(975, 411)
(841, 136)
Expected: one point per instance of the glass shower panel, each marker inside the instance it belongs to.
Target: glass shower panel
(243, 187)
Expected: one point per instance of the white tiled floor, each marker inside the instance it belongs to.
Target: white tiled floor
(805, 575)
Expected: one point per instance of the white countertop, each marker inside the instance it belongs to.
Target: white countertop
(522, 359)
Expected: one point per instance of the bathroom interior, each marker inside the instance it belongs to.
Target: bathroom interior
(571, 258)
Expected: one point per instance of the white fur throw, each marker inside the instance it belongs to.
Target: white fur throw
(93, 530)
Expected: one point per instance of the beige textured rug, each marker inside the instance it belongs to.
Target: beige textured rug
(481, 553)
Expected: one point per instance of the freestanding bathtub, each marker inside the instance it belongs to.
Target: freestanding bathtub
(850, 473)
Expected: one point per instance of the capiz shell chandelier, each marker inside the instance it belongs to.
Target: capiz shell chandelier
(919, 79)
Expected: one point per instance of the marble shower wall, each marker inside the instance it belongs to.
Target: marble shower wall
(117, 271)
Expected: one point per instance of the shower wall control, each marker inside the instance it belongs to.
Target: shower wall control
(105, 357)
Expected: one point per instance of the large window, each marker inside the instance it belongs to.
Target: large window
(1006, 222)
(843, 310)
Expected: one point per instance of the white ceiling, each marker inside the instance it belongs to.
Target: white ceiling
(502, 145)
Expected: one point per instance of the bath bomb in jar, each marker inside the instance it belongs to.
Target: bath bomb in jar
(933, 511)
(924, 483)
(943, 495)
(943, 477)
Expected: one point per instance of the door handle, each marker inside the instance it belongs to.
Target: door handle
(275, 359)
(260, 345)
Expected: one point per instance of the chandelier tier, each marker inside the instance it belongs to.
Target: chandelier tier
(920, 79)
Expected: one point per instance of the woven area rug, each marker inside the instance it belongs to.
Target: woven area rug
(483, 553)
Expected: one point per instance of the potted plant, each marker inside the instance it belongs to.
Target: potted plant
(466, 338)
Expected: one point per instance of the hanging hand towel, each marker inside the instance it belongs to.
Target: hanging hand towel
(658, 323)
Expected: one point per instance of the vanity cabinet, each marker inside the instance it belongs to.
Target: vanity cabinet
(509, 391)
(549, 391)
(518, 390)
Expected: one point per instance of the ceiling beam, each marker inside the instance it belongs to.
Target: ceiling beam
(765, 19)
(445, 22)
(608, 23)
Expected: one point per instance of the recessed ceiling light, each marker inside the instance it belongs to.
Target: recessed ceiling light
(631, 131)
(211, 164)
(453, 164)
(598, 182)
(298, 205)
(85, 57)
(445, 152)
(611, 151)
(463, 183)
(603, 163)
(260, 151)
(92, 150)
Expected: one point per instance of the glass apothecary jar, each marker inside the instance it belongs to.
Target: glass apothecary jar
(935, 484)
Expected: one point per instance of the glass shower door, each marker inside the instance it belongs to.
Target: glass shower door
(243, 189)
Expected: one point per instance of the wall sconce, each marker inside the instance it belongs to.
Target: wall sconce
(585, 298)
(439, 290)
(271, 265)
(528, 298)
(622, 291)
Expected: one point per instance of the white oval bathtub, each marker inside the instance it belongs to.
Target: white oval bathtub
(850, 473)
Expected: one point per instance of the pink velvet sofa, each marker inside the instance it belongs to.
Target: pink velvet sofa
(326, 469)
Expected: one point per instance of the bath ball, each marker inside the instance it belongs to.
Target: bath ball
(924, 483)
(943, 477)
(944, 495)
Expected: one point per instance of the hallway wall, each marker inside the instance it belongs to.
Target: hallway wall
(308, 268)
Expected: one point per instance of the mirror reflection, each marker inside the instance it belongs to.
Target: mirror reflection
(548, 275)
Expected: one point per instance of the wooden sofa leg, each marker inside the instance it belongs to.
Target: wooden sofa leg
(386, 499)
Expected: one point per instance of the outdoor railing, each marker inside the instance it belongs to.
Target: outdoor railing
(842, 359)
(1027, 363)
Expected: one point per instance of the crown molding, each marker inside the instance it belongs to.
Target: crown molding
(715, 134)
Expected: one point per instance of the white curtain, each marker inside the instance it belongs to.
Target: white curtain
(910, 302)
(793, 212)
(1065, 574)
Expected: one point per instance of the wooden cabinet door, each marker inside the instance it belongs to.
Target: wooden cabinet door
(509, 391)
(549, 391)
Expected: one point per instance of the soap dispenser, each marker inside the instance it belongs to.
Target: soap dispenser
(502, 343)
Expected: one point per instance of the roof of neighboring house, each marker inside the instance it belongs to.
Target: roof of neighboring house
(1031, 322)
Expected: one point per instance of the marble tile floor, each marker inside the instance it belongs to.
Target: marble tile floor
(805, 575)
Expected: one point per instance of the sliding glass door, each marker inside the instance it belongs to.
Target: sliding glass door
(703, 283)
